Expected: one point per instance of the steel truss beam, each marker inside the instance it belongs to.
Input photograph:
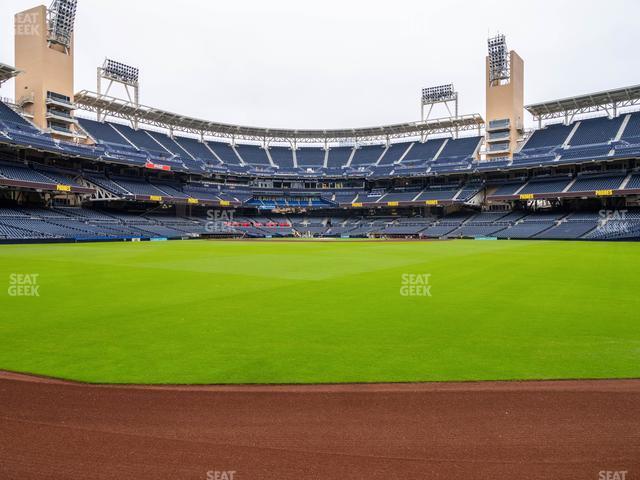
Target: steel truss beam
(610, 101)
(127, 110)
(7, 72)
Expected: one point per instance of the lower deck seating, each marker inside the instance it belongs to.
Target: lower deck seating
(597, 182)
(524, 230)
(567, 230)
(19, 223)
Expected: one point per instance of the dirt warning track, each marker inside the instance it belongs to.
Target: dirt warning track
(517, 430)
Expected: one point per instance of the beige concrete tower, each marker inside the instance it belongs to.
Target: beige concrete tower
(44, 55)
(505, 99)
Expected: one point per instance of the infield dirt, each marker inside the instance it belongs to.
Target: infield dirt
(517, 430)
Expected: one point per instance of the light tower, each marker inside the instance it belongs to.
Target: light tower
(439, 95)
(44, 55)
(125, 75)
(505, 98)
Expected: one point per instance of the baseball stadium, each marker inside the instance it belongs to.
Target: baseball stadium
(454, 297)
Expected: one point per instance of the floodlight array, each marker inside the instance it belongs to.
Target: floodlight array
(499, 68)
(438, 94)
(120, 71)
(62, 16)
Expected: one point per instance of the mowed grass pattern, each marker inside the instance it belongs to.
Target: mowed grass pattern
(201, 312)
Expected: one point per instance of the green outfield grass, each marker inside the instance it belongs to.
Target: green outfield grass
(307, 312)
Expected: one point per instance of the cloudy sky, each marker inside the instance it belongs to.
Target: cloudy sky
(342, 63)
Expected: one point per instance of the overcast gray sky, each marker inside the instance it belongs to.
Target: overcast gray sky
(340, 63)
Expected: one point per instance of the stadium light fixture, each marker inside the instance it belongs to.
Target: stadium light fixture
(499, 65)
(432, 96)
(61, 21)
(126, 75)
(441, 93)
(120, 72)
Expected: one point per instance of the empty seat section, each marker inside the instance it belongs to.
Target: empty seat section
(394, 153)
(596, 130)
(423, 152)
(253, 154)
(631, 132)
(225, 152)
(168, 143)
(507, 189)
(401, 196)
(16, 172)
(197, 149)
(367, 155)
(597, 182)
(139, 187)
(459, 149)
(546, 185)
(345, 197)
(550, 136)
(339, 156)
(282, 156)
(103, 132)
(14, 121)
(524, 230)
(438, 194)
(141, 140)
(568, 230)
(310, 157)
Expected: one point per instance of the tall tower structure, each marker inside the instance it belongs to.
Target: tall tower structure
(505, 99)
(44, 55)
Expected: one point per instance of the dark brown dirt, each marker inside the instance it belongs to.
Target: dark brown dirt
(513, 430)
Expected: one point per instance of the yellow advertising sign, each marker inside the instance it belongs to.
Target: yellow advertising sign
(393, 204)
(526, 196)
(155, 198)
(192, 201)
(356, 205)
(224, 203)
(604, 193)
(431, 202)
(63, 188)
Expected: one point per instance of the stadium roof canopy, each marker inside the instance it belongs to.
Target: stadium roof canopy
(7, 73)
(124, 109)
(569, 107)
